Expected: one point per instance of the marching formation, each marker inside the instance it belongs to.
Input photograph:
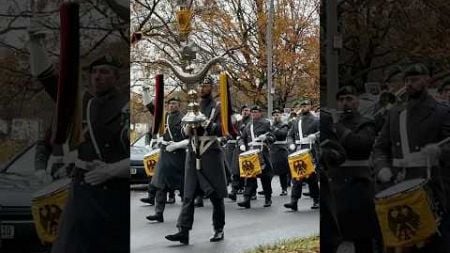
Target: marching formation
(219, 167)
(385, 187)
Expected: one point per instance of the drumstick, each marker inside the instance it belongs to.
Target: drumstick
(443, 141)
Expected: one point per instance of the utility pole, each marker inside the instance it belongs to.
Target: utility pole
(331, 52)
(270, 88)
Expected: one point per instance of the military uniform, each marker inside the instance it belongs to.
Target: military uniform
(352, 183)
(232, 156)
(253, 130)
(332, 154)
(279, 153)
(169, 174)
(426, 122)
(305, 125)
(94, 219)
(210, 179)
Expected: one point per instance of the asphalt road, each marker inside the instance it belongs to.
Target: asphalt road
(244, 229)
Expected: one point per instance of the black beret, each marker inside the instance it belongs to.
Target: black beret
(256, 108)
(176, 98)
(416, 69)
(244, 107)
(276, 111)
(105, 60)
(347, 90)
(208, 80)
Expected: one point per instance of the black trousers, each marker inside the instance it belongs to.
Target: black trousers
(186, 216)
(151, 190)
(94, 218)
(251, 184)
(313, 183)
(284, 181)
(237, 183)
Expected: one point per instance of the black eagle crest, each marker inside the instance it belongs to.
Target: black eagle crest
(247, 167)
(49, 218)
(151, 165)
(403, 222)
(300, 167)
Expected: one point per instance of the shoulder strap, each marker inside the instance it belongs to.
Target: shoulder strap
(91, 130)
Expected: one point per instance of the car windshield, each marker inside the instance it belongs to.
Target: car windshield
(141, 141)
(23, 163)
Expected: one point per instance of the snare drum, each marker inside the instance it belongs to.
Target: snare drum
(47, 207)
(150, 161)
(301, 164)
(249, 164)
(407, 213)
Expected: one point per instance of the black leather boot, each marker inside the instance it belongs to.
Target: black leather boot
(217, 236)
(182, 236)
(267, 201)
(292, 205)
(232, 196)
(157, 217)
(245, 203)
(316, 204)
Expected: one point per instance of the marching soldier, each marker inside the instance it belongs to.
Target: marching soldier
(204, 170)
(94, 219)
(353, 183)
(279, 150)
(332, 154)
(169, 173)
(412, 140)
(237, 183)
(255, 135)
(302, 135)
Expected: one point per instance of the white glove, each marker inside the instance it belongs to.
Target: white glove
(177, 145)
(145, 96)
(262, 137)
(42, 176)
(384, 175)
(242, 147)
(292, 147)
(100, 174)
(312, 138)
(432, 151)
(346, 247)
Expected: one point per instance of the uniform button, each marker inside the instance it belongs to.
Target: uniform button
(107, 145)
(417, 148)
(398, 143)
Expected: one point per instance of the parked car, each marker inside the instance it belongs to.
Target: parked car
(17, 185)
(137, 152)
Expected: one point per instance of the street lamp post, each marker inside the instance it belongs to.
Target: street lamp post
(270, 88)
(331, 52)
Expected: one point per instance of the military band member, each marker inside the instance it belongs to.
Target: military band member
(204, 170)
(353, 183)
(94, 219)
(302, 135)
(256, 135)
(169, 173)
(148, 103)
(279, 150)
(237, 183)
(332, 154)
(408, 144)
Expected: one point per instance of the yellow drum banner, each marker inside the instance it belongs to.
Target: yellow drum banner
(301, 165)
(47, 213)
(249, 165)
(406, 219)
(150, 163)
